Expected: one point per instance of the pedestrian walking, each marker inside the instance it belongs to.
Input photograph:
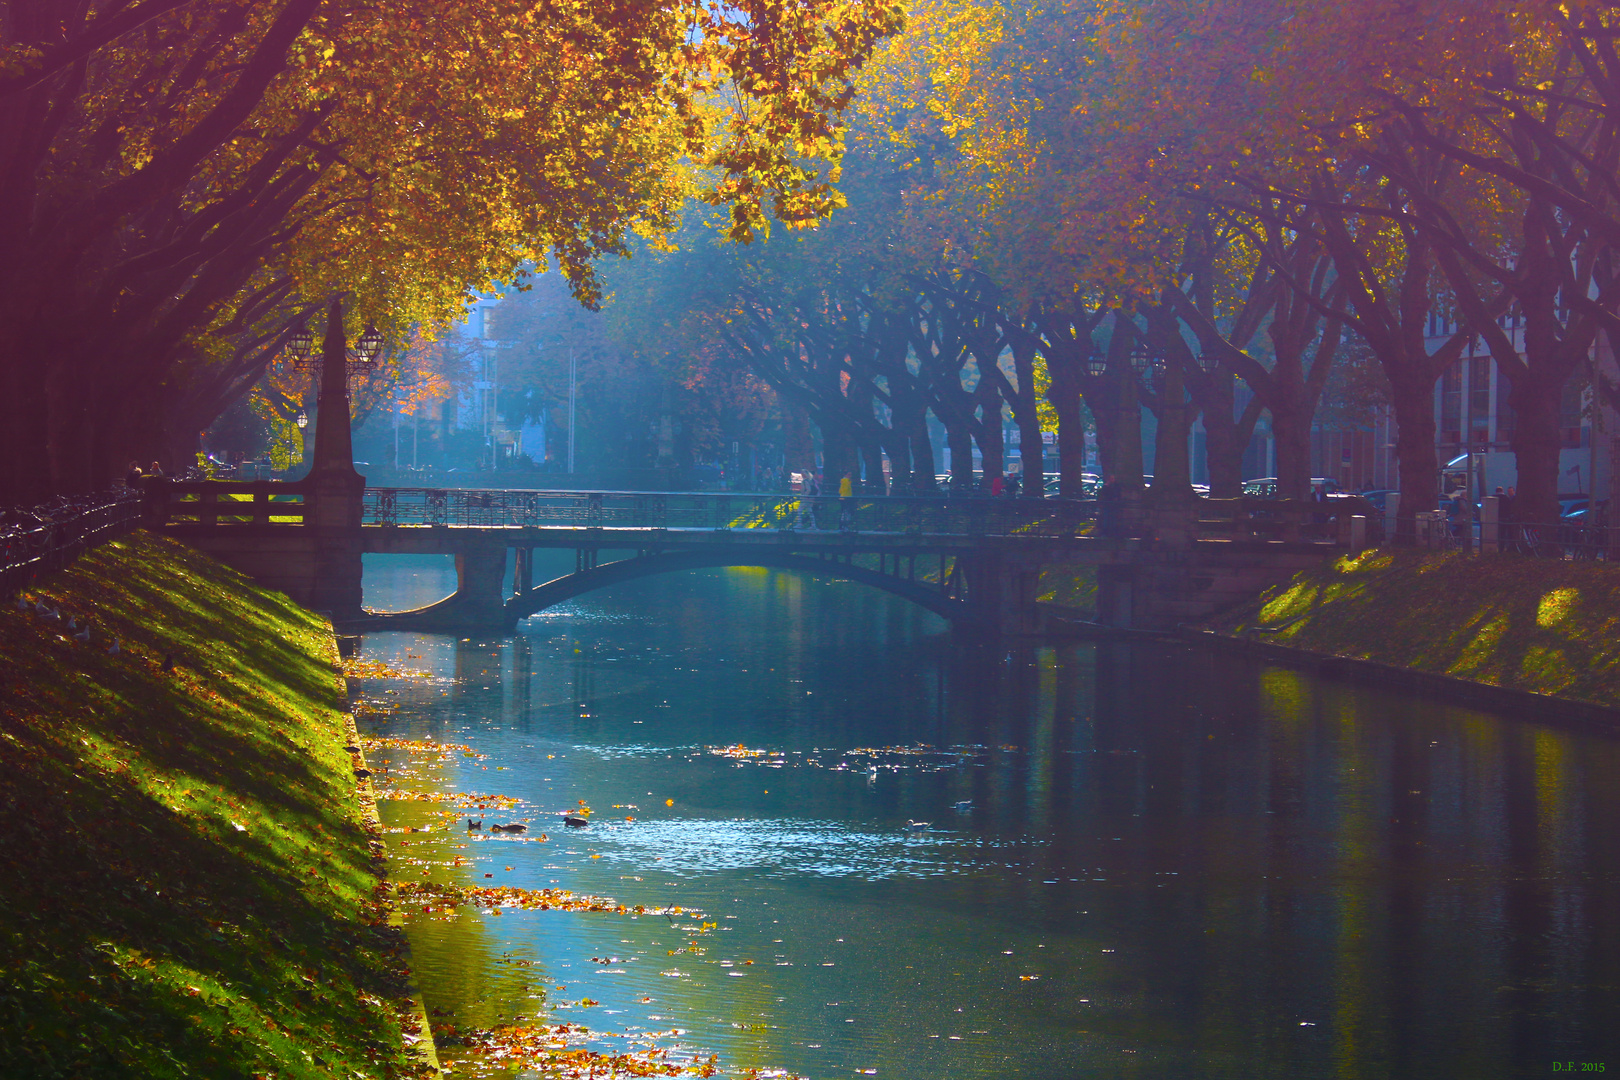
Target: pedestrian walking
(807, 502)
(846, 502)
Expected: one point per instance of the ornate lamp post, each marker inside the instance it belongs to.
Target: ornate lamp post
(1144, 363)
(332, 365)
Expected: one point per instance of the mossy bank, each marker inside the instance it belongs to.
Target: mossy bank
(1535, 626)
(189, 888)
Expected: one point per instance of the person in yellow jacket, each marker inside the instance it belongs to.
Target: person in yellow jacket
(846, 502)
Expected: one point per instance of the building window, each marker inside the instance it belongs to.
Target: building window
(1451, 405)
(1506, 419)
(1569, 415)
(1479, 401)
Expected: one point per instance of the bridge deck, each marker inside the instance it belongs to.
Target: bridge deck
(439, 539)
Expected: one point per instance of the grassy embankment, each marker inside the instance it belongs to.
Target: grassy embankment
(1537, 625)
(188, 887)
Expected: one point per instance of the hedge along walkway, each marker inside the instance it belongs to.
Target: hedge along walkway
(1537, 625)
(187, 887)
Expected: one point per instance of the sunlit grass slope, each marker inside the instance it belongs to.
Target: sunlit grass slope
(186, 888)
(1540, 625)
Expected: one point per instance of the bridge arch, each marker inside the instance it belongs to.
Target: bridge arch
(580, 582)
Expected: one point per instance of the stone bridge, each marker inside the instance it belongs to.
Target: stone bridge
(974, 561)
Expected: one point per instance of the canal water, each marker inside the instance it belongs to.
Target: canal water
(1138, 861)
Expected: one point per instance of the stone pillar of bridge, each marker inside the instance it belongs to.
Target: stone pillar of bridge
(333, 491)
(1001, 592)
(480, 600)
(1116, 595)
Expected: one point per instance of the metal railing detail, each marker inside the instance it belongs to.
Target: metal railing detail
(724, 512)
(49, 537)
(1565, 540)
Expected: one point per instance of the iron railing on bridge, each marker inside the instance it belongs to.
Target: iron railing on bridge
(45, 538)
(970, 516)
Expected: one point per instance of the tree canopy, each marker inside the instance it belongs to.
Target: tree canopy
(181, 181)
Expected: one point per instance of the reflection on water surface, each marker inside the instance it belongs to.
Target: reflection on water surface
(1136, 861)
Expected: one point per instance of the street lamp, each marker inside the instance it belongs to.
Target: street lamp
(302, 421)
(301, 343)
(573, 396)
(1096, 364)
(369, 347)
(302, 351)
(1142, 361)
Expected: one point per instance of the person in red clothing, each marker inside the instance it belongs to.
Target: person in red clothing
(996, 485)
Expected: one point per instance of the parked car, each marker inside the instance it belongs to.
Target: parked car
(1379, 497)
(1090, 485)
(1266, 486)
(1360, 504)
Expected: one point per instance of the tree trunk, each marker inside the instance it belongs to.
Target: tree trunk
(923, 468)
(1071, 451)
(990, 433)
(838, 454)
(27, 477)
(68, 405)
(800, 453)
(1032, 455)
(1223, 442)
(1291, 431)
(872, 457)
(960, 440)
(898, 449)
(992, 464)
(1172, 478)
(1026, 414)
(1063, 394)
(1419, 465)
(1122, 450)
(1537, 440)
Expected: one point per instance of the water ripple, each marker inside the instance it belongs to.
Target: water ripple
(781, 847)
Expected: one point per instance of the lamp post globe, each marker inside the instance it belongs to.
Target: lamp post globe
(1141, 359)
(370, 345)
(301, 343)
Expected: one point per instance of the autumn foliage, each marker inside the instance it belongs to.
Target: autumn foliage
(1233, 192)
(181, 181)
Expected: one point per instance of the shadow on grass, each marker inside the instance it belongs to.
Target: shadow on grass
(1539, 625)
(188, 890)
